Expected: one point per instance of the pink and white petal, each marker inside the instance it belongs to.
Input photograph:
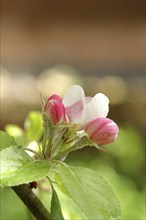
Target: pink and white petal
(74, 112)
(98, 107)
(74, 102)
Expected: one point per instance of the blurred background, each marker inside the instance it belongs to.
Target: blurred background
(46, 46)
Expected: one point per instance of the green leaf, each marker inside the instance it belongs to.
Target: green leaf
(17, 167)
(16, 132)
(90, 192)
(6, 140)
(56, 212)
(33, 126)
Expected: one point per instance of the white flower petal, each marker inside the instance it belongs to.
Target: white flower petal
(74, 102)
(96, 108)
(73, 94)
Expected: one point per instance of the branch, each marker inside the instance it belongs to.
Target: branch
(32, 202)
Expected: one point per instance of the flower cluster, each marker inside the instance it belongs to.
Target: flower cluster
(76, 121)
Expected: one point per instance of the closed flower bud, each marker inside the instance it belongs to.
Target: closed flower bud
(55, 109)
(54, 97)
(102, 131)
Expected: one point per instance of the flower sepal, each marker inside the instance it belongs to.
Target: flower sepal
(76, 142)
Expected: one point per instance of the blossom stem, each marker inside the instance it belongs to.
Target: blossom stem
(32, 202)
(66, 151)
(48, 146)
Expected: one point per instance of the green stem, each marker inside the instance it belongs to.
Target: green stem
(44, 143)
(49, 143)
(66, 151)
(32, 202)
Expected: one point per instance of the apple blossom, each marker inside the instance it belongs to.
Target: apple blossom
(90, 114)
(55, 109)
(102, 130)
(78, 121)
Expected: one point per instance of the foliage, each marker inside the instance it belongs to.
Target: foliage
(81, 185)
(18, 167)
(6, 140)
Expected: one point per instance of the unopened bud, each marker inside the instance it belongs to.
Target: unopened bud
(55, 109)
(102, 130)
(54, 97)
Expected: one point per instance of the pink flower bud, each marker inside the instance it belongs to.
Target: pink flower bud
(102, 130)
(54, 97)
(55, 109)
